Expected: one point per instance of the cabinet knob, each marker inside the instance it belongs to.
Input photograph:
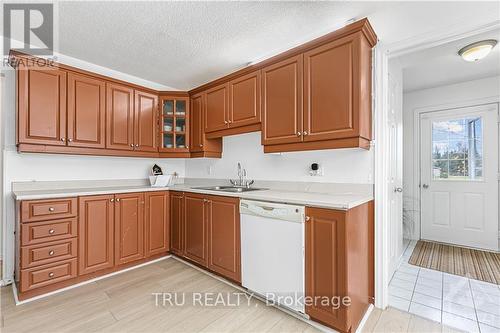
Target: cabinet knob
(305, 133)
(112, 200)
(225, 121)
(51, 274)
(51, 231)
(201, 145)
(299, 134)
(63, 139)
(308, 218)
(187, 147)
(118, 200)
(51, 209)
(137, 146)
(70, 140)
(132, 145)
(51, 252)
(230, 121)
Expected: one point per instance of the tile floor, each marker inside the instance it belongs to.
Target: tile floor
(456, 301)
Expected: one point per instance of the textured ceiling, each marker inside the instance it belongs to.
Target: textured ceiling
(441, 65)
(185, 44)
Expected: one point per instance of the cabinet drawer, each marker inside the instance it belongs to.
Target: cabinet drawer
(41, 210)
(46, 253)
(42, 276)
(41, 232)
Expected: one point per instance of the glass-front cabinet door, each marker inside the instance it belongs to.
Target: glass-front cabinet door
(174, 125)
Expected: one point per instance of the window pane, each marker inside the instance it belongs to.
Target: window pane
(457, 149)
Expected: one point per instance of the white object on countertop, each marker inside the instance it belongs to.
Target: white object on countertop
(272, 252)
(160, 181)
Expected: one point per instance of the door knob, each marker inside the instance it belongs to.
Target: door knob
(425, 186)
(398, 189)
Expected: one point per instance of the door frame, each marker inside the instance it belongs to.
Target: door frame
(417, 171)
(381, 92)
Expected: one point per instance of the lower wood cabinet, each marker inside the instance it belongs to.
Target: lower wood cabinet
(96, 233)
(339, 263)
(106, 233)
(157, 231)
(205, 229)
(129, 227)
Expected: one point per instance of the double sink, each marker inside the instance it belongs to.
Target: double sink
(233, 189)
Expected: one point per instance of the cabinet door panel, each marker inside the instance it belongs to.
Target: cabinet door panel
(96, 233)
(145, 124)
(330, 75)
(282, 102)
(86, 111)
(129, 227)
(195, 235)
(224, 237)
(325, 264)
(177, 223)
(157, 226)
(244, 100)
(120, 117)
(197, 123)
(216, 110)
(42, 106)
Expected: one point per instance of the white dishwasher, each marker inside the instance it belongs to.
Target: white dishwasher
(272, 252)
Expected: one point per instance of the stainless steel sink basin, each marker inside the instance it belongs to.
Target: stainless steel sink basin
(235, 189)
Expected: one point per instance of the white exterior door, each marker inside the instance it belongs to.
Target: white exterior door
(459, 176)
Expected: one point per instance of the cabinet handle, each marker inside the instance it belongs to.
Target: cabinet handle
(112, 200)
(308, 219)
(299, 134)
(51, 231)
(51, 209)
(305, 133)
(51, 274)
(51, 252)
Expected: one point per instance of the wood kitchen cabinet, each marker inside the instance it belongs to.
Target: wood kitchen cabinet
(120, 117)
(177, 223)
(200, 145)
(339, 263)
(157, 231)
(217, 108)
(282, 102)
(195, 228)
(174, 126)
(41, 106)
(96, 233)
(224, 244)
(86, 111)
(145, 121)
(129, 227)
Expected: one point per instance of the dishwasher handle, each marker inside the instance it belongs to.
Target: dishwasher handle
(292, 213)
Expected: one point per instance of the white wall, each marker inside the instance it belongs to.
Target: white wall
(340, 166)
(461, 94)
(27, 166)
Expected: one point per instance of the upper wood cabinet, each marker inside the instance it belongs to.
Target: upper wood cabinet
(177, 223)
(120, 117)
(200, 145)
(157, 233)
(195, 229)
(224, 245)
(86, 111)
(129, 227)
(96, 233)
(145, 121)
(174, 124)
(41, 106)
(282, 101)
(217, 108)
(244, 100)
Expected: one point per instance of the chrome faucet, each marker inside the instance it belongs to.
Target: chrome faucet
(242, 178)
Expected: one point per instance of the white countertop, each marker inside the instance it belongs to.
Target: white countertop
(344, 201)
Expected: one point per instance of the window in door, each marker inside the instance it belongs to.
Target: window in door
(457, 149)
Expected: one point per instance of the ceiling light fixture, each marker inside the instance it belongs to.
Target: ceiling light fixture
(478, 50)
